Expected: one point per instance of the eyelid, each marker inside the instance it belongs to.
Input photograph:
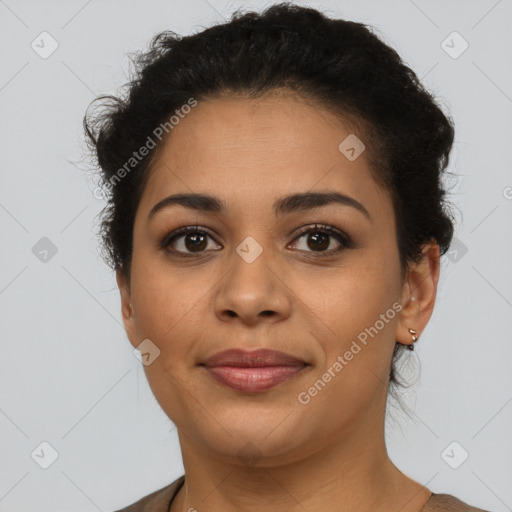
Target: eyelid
(326, 228)
(183, 230)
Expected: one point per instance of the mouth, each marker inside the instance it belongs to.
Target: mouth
(254, 371)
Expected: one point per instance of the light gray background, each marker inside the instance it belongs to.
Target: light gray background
(68, 375)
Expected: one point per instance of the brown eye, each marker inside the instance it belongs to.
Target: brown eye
(318, 239)
(187, 240)
(195, 242)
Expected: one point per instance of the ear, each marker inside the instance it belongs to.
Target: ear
(127, 310)
(419, 294)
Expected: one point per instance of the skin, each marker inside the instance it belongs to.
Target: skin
(328, 454)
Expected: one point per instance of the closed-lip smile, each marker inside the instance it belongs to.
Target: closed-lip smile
(253, 371)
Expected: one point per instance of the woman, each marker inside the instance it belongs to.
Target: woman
(275, 219)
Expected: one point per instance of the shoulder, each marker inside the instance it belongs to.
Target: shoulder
(157, 501)
(448, 503)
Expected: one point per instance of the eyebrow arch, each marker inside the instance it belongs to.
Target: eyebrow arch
(285, 205)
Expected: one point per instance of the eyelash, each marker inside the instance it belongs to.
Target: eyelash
(342, 238)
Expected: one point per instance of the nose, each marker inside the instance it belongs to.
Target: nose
(253, 292)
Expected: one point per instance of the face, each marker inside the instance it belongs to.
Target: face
(313, 278)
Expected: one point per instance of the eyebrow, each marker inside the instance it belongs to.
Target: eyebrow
(284, 205)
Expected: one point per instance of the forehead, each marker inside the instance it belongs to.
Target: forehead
(275, 125)
(254, 149)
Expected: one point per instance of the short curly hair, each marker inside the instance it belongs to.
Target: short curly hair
(341, 64)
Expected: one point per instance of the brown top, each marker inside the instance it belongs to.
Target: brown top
(161, 499)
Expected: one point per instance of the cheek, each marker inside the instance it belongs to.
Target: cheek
(161, 302)
(167, 314)
(358, 310)
(353, 295)
(358, 348)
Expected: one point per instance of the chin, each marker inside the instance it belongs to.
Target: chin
(263, 440)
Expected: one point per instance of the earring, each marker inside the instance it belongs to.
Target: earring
(414, 338)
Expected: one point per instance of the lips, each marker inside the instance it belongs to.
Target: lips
(254, 371)
(257, 358)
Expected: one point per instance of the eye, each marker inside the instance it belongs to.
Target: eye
(194, 240)
(188, 240)
(319, 239)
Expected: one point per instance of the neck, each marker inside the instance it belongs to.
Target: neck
(349, 472)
